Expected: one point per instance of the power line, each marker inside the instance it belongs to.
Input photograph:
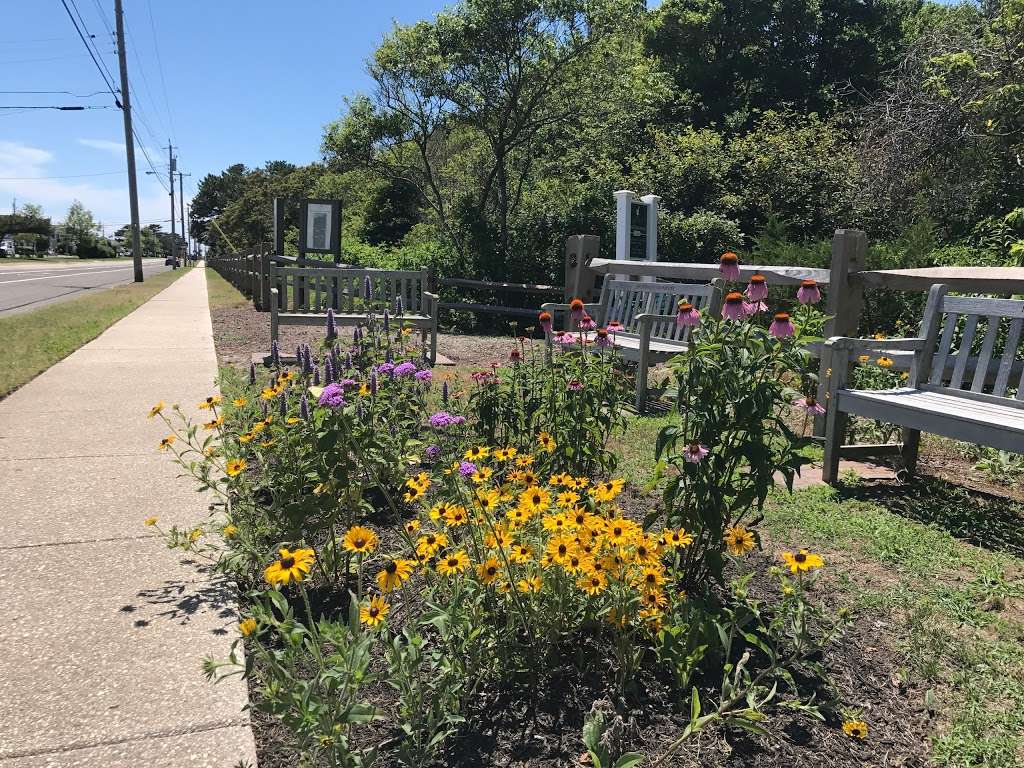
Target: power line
(73, 108)
(73, 176)
(145, 83)
(48, 58)
(92, 42)
(160, 69)
(68, 93)
(99, 69)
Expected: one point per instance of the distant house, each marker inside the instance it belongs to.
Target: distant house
(7, 245)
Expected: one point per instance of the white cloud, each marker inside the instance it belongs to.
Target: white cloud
(22, 171)
(117, 147)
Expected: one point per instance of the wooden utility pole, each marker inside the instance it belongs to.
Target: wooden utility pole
(129, 143)
(181, 206)
(172, 165)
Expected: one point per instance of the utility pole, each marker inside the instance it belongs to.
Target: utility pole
(172, 166)
(129, 143)
(181, 206)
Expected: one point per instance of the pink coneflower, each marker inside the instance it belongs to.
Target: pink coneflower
(601, 338)
(735, 307)
(545, 321)
(694, 452)
(729, 266)
(809, 292)
(575, 385)
(587, 323)
(614, 327)
(687, 314)
(781, 326)
(576, 309)
(565, 339)
(757, 289)
(810, 405)
(515, 355)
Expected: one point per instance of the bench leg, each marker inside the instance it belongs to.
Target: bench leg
(911, 443)
(641, 388)
(835, 428)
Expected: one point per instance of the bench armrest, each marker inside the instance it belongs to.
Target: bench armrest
(432, 298)
(851, 344)
(550, 306)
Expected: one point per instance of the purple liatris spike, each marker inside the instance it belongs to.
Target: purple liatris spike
(263, 408)
(275, 354)
(360, 411)
(444, 393)
(307, 360)
(252, 374)
(373, 383)
(316, 375)
(388, 357)
(387, 320)
(332, 328)
(304, 408)
(282, 405)
(272, 383)
(348, 360)
(398, 306)
(357, 334)
(328, 370)
(298, 355)
(367, 288)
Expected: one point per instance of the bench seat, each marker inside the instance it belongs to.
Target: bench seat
(974, 421)
(347, 319)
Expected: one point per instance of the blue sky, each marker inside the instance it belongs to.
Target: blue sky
(245, 82)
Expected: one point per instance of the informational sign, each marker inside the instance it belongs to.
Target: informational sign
(638, 231)
(320, 227)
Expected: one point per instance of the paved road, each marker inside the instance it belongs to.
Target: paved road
(26, 288)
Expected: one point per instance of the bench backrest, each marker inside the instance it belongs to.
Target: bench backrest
(973, 346)
(314, 289)
(623, 300)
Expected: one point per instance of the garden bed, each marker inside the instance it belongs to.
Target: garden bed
(926, 621)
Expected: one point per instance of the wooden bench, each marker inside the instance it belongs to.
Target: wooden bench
(965, 359)
(647, 312)
(302, 296)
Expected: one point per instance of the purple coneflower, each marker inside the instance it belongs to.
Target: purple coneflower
(809, 292)
(587, 323)
(602, 339)
(694, 452)
(781, 326)
(757, 288)
(810, 405)
(544, 318)
(687, 314)
(333, 396)
(515, 356)
(575, 385)
(735, 307)
(729, 266)
(565, 339)
(576, 309)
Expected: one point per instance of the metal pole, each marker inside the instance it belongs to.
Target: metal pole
(129, 143)
(172, 164)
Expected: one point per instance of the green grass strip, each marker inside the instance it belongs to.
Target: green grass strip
(38, 339)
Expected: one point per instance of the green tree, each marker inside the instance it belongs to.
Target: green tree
(79, 222)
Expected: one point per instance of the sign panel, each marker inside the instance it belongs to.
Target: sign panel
(320, 227)
(638, 231)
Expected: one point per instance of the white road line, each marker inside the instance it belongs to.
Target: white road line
(61, 273)
(65, 269)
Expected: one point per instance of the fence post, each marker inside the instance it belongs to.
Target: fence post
(580, 280)
(265, 280)
(844, 304)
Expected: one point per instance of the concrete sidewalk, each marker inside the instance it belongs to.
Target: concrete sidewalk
(102, 629)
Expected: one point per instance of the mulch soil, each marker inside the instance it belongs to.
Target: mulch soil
(505, 729)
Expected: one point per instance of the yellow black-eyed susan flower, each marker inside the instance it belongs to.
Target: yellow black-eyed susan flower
(855, 729)
(236, 467)
(394, 574)
(247, 626)
(453, 563)
(738, 540)
(373, 613)
(293, 565)
(360, 540)
(802, 560)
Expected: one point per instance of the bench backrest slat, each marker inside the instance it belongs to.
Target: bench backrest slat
(314, 289)
(623, 300)
(989, 371)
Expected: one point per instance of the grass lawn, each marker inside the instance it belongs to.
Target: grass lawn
(36, 340)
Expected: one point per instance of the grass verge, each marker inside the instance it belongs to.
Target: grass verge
(221, 293)
(36, 340)
(955, 610)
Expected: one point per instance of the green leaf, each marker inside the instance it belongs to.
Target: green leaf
(628, 760)
(694, 704)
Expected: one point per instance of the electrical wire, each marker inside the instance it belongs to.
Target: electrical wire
(73, 176)
(99, 69)
(73, 108)
(134, 48)
(68, 93)
(160, 69)
(92, 42)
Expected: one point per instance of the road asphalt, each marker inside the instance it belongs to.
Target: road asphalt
(24, 288)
